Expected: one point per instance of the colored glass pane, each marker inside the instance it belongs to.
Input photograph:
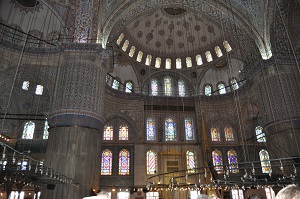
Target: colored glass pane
(151, 132)
(234, 84)
(181, 88)
(151, 162)
(168, 87)
(207, 90)
(215, 134)
(189, 129)
(232, 160)
(170, 130)
(108, 133)
(228, 134)
(128, 87)
(260, 135)
(154, 87)
(217, 161)
(123, 133)
(221, 88)
(46, 132)
(106, 162)
(124, 162)
(28, 130)
(191, 161)
(265, 161)
(25, 85)
(39, 90)
(115, 84)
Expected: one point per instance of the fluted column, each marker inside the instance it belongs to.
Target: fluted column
(278, 97)
(75, 121)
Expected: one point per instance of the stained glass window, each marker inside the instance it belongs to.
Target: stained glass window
(128, 87)
(139, 56)
(170, 129)
(131, 52)
(207, 90)
(188, 62)
(227, 46)
(218, 51)
(181, 88)
(28, 130)
(154, 87)
(189, 129)
(191, 161)
(25, 85)
(260, 135)
(151, 131)
(123, 132)
(108, 133)
(148, 60)
(157, 62)
(199, 60)
(168, 86)
(217, 161)
(178, 63)
(120, 38)
(221, 88)
(232, 161)
(215, 134)
(228, 134)
(39, 90)
(234, 84)
(46, 132)
(168, 63)
(125, 45)
(265, 161)
(106, 162)
(151, 162)
(115, 84)
(208, 56)
(124, 162)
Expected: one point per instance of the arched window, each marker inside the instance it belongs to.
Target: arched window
(178, 63)
(191, 161)
(39, 90)
(123, 132)
(221, 88)
(170, 129)
(25, 85)
(115, 84)
(199, 60)
(265, 161)
(120, 39)
(218, 51)
(125, 45)
(188, 61)
(148, 60)
(181, 88)
(106, 162)
(124, 162)
(154, 87)
(207, 90)
(108, 133)
(151, 162)
(128, 88)
(157, 62)
(151, 131)
(168, 86)
(217, 161)
(46, 132)
(215, 134)
(234, 84)
(260, 135)
(139, 56)
(208, 56)
(232, 161)
(228, 134)
(189, 129)
(28, 130)
(227, 46)
(131, 52)
(168, 63)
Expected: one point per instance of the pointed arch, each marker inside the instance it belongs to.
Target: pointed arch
(124, 162)
(170, 129)
(151, 157)
(28, 130)
(191, 161)
(265, 161)
(217, 160)
(106, 162)
(232, 161)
